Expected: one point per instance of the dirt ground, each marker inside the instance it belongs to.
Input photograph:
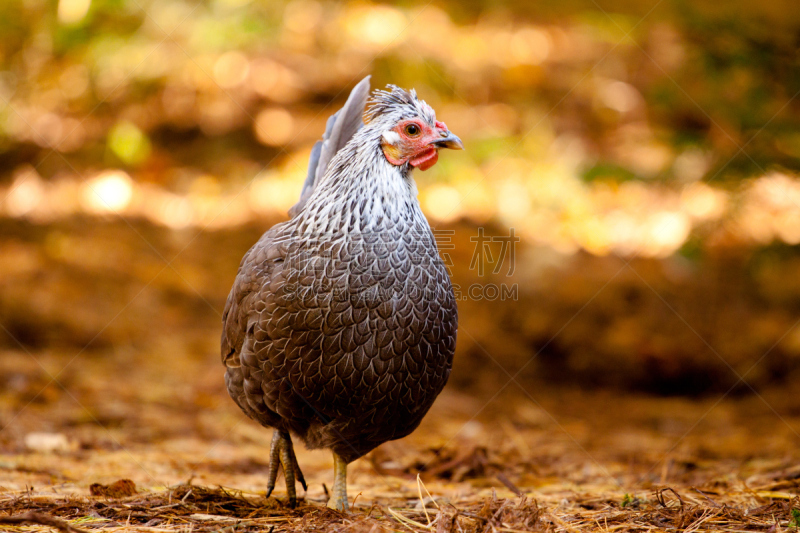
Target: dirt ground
(109, 371)
(518, 460)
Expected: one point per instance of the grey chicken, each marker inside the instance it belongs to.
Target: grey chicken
(341, 324)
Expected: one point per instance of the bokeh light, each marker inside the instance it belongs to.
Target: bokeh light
(109, 192)
(510, 88)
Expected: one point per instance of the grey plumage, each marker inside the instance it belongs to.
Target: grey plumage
(341, 324)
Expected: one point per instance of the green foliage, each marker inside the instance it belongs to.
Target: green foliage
(795, 520)
(608, 172)
(693, 249)
(129, 143)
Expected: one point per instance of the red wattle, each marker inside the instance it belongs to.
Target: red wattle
(425, 160)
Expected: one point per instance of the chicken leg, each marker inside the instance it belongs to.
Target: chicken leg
(281, 453)
(338, 499)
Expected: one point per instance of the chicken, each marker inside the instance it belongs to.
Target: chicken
(341, 324)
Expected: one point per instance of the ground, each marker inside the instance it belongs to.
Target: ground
(543, 460)
(109, 371)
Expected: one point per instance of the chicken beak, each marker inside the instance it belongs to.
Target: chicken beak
(449, 140)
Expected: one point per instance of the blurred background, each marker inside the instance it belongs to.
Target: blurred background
(646, 155)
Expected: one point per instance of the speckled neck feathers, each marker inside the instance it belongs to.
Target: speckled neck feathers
(361, 192)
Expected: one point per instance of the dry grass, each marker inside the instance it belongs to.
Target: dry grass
(194, 508)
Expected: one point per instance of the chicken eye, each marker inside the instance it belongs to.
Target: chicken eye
(412, 130)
